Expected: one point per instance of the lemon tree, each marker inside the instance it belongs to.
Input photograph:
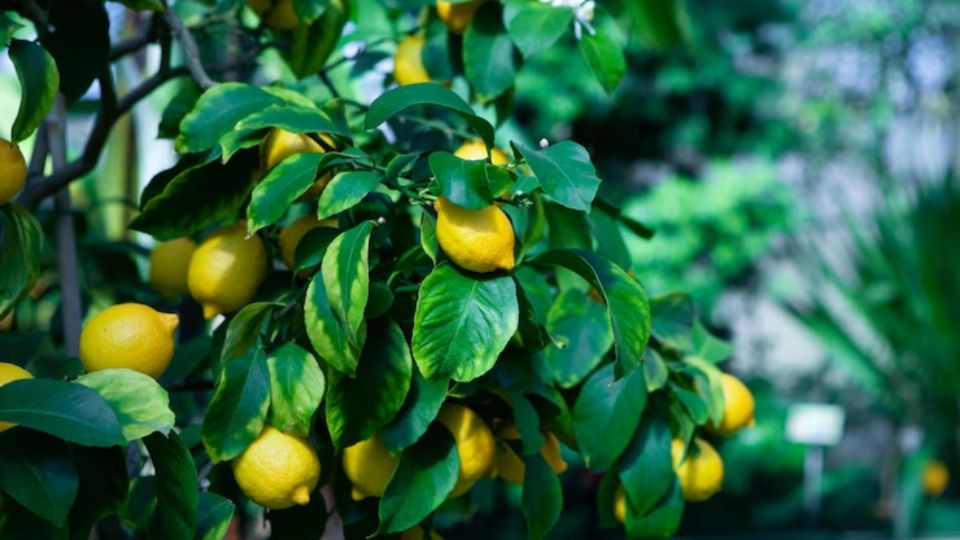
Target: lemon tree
(375, 299)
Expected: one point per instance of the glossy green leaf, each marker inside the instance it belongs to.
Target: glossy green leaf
(310, 10)
(462, 323)
(536, 26)
(425, 476)
(707, 346)
(346, 278)
(38, 472)
(655, 369)
(213, 516)
(22, 242)
(692, 402)
(646, 468)
(66, 410)
(217, 113)
(244, 329)
(462, 181)
(238, 410)
(710, 387)
(565, 172)
(281, 187)
(345, 191)
(672, 320)
(581, 336)
(312, 44)
(428, 236)
(542, 498)
(605, 58)
(660, 522)
(489, 58)
(296, 388)
(141, 405)
(606, 415)
(402, 98)
(420, 408)
(626, 302)
(177, 487)
(327, 334)
(292, 118)
(660, 23)
(8, 28)
(357, 407)
(39, 82)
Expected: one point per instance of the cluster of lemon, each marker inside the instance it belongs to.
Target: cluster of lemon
(700, 471)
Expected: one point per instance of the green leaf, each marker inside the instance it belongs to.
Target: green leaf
(428, 236)
(660, 23)
(213, 516)
(238, 410)
(402, 98)
(646, 468)
(708, 347)
(183, 101)
(77, 21)
(345, 270)
(462, 181)
(327, 335)
(655, 370)
(357, 407)
(672, 322)
(313, 246)
(542, 498)
(143, 5)
(709, 386)
(312, 44)
(217, 113)
(565, 172)
(177, 488)
(292, 118)
(66, 410)
(535, 26)
(197, 198)
(296, 388)
(489, 58)
(38, 472)
(22, 242)
(626, 302)
(244, 329)
(281, 187)
(693, 403)
(581, 332)
(606, 415)
(345, 191)
(605, 58)
(425, 476)
(310, 10)
(462, 323)
(141, 405)
(420, 408)
(39, 81)
(660, 522)
(8, 28)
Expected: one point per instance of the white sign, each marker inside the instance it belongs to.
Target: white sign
(815, 424)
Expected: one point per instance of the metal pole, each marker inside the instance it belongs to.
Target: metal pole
(813, 484)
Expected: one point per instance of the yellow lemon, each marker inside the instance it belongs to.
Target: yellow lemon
(10, 373)
(701, 473)
(369, 466)
(280, 15)
(416, 533)
(291, 235)
(169, 262)
(227, 269)
(13, 170)
(281, 144)
(936, 477)
(132, 336)
(476, 240)
(475, 444)
(475, 150)
(620, 505)
(277, 470)
(407, 64)
(510, 466)
(457, 17)
(738, 412)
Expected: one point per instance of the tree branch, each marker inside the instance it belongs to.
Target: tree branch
(190, 49)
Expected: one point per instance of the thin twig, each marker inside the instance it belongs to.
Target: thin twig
(190, 49)
(329, 84)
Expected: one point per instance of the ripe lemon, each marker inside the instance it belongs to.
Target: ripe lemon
(475, 445)
(620, 505)
(509, 465)
(281, 144)
(936, 477)
(457, 17)
(227, 269)
(475, 150)
(280, 15)
(13, 170)
(416, 533)
(291, 235)
(132, 336)
(476, 240)
(169, 262)
(277, 470)
(701, 473)
(738, 412)
(407, 63)
(369, 467)
(10, 373)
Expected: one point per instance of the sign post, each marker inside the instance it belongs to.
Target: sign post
(816, 426)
